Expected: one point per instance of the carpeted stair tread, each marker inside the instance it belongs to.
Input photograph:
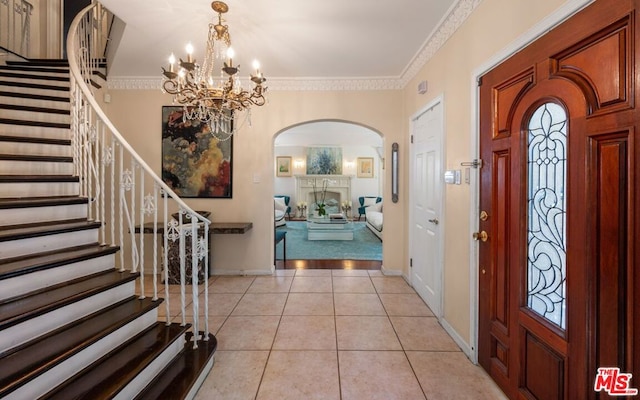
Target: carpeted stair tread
(52, 259)
(179, 376)
(16, 232)
(41, 201)
(34, 358)
(106, 377)
(29, 139)
(39, 302)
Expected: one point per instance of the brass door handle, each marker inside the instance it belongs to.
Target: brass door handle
(481, 236)
(434, 221)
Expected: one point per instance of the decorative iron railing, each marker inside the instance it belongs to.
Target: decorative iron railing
(15, 26)
(124, 193)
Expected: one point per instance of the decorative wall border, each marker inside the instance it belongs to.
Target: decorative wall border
(458, 14)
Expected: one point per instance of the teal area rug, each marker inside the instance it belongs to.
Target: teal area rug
(364, 246)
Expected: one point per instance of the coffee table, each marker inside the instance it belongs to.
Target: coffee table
(325, 228)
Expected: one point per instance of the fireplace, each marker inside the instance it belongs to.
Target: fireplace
(338, 190)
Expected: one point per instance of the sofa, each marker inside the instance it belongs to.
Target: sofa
(373, 216)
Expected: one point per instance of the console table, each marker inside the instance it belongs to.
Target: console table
(219, 228)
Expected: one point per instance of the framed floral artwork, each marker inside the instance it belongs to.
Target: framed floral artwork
(194, 162)
(283, 166)
(365, 167)
(324, 161)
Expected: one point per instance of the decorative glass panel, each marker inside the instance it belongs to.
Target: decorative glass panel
(546, 231)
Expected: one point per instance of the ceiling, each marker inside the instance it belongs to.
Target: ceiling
(291, 38)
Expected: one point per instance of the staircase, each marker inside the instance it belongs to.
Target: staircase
(72, 325)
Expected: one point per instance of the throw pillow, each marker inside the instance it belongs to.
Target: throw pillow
(368, 201)
(279, 203)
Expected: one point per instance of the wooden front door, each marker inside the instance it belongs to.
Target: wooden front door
(560, 185)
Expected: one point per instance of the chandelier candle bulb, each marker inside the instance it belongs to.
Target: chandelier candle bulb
(172, 61)
(189, 53)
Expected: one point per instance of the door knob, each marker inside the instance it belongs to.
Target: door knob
(434, 221)
(481, 236)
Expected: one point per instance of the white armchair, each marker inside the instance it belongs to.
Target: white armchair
(280, 210)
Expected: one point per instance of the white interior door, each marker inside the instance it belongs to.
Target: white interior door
(426, 206)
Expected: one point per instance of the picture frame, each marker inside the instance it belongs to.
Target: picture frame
(324, 161)
(283, 166)
(365, 167)
(195, 164)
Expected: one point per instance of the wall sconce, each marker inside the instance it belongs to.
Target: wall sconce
(349, 166)
(298, 164)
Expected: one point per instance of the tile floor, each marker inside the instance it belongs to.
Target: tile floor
(333, 334)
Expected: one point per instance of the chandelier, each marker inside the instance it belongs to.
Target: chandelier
(214, 95)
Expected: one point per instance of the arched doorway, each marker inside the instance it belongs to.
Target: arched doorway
(347, 158)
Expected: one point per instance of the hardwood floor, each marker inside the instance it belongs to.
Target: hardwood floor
(329, 264)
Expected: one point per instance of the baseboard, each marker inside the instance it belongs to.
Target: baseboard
(242, 272)
(390, 272)
(464, 346)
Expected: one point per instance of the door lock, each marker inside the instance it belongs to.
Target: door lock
(434, 221)
(481, 236)
(483, 215)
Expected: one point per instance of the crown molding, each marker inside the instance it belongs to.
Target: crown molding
(275, 84)
(457, 15)
(459, 12)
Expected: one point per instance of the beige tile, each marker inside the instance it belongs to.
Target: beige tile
(175, 307)
(223, 303)
(309, 304)
(312, 284)
(235, 376)
(248, 333)
(271, 284)
(450, 375)
(406, 305)
(284, 272)
(350, 272)
(358, 304)
(422, 333)
(391, 284)
(366, 333)
(215, 323)
(300, 332)
(299, 375)
(378, 375)
(375, 272)
(313, 272)
(231, 284)
(261, 304)
(352, 284)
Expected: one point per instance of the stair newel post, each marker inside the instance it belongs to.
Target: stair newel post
(181, 230)
(141, 235)
(121, 201)
(165, 261)
(194, 277)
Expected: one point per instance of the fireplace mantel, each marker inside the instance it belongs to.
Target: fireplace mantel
(340, 184)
